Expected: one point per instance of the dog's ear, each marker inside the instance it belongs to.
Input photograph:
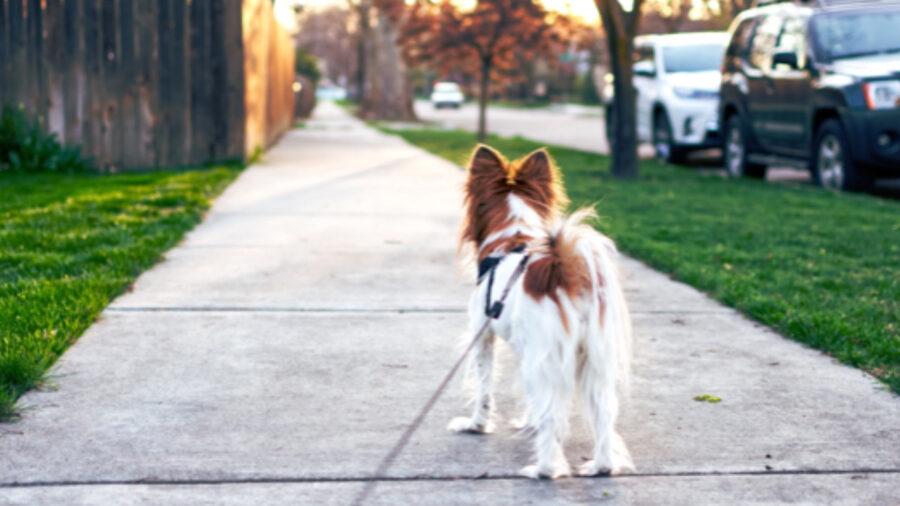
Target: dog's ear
(486, 161)
(536, 167)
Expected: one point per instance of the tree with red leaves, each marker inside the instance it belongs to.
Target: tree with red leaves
(487, 38)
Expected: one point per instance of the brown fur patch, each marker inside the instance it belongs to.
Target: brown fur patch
(560, 268)
(491, 179)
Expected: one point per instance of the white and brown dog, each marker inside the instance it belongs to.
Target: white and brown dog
(565, 317)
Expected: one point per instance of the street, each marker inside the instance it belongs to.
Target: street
(583, 127)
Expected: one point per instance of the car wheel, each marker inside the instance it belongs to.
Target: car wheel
(610, 129)
(735, 151)
(833, 168)
(663, 142)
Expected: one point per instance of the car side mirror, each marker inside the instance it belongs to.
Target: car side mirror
(785, 59)
(644, 69)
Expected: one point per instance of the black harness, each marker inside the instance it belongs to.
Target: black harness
(487, 267)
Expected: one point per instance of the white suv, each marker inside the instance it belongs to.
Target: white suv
(677, 81)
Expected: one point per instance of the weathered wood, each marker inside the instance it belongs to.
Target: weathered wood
(201, 89)
(268, 74)
(179, 86)
(73, 73)
(233, 80)
(91, 96)
(16, 74)
(110, 88)
(147, 61)
(129, 111)
(4, 48)
(147, 83)
(53, 62)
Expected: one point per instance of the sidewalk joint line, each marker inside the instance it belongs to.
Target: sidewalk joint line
(497, 477)
(280, 309)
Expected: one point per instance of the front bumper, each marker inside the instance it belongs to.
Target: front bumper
(874, 138)
(695, 123)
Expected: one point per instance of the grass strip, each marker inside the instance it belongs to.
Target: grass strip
(820, 267)
(71, 243)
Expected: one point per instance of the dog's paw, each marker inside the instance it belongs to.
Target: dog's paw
(595, 468)
(536, 472)
(468, 425)
(521, 424)
(592, 468)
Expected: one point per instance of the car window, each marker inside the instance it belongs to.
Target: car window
(852, 34)
(793, 38)
(692, 58)
(740, 39)
(644, 54)
(763, 44)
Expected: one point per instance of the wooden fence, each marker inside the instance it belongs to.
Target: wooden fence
(146, 83)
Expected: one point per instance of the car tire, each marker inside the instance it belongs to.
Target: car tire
(663, 142)
(735, 153)
(833, 168)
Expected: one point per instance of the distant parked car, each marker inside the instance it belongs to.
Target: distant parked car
(447, 94)
(677, 82)
(816, 86)
(330, 92)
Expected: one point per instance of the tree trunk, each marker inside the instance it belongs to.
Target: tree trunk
(621, 27)
(387, 95)
(486, 64)
(365, 30)
(624, 159)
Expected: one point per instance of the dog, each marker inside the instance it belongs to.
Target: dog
(565, 316)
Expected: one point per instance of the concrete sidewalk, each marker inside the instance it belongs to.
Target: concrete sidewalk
(280, 350)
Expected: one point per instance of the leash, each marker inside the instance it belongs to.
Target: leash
(494, 313)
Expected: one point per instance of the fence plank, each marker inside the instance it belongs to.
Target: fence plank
(52, 63)
(91, 136)
(34, 82)
(16, 47)
(178, 86)
(73, 73)
(200, 76)
(129, 110)
(146, 46)
(4, 50)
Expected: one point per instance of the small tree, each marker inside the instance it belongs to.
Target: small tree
(486, 38)
(621, 27)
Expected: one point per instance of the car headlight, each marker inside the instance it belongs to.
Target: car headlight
(882, 94)
(682, 92)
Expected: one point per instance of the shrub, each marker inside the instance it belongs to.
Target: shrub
(307, 65)
(25, 147)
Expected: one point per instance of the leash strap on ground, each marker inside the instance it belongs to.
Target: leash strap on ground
(407, 434)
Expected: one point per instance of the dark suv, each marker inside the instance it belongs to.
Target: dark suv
(815, 84)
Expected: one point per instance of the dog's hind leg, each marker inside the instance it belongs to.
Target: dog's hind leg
(482, 363)
(598, 393)
(548, 382)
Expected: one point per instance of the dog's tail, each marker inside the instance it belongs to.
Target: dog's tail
(590, 259)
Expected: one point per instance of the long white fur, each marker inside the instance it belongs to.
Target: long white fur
(589, 359)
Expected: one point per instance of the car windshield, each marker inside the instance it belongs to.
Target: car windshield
(446, 87)
(692, 58)
(851, 34)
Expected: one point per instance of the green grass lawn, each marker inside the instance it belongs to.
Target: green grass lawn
(822, 268)
(70, 243)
